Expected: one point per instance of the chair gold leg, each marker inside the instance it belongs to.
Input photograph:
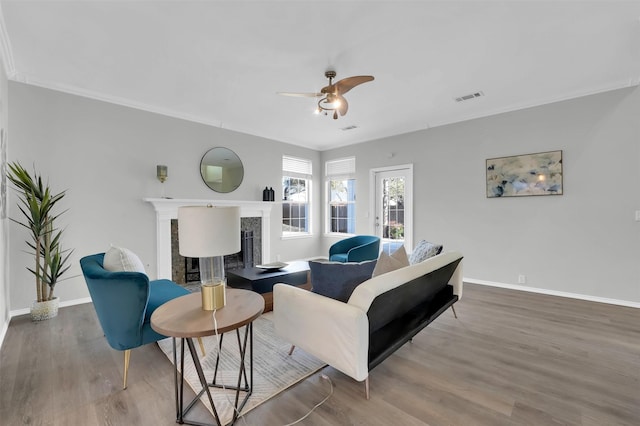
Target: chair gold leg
(127, 356)
(291, 350)
(366, 387)
(201, 346)
(454, 312)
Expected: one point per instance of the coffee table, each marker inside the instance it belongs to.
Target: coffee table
(184, 318)
(262, 281)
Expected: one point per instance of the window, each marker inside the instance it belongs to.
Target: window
(296, 193)
(341, 196)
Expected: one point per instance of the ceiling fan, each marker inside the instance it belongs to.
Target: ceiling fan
(332, 95)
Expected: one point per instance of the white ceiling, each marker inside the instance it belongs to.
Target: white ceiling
(222, 62)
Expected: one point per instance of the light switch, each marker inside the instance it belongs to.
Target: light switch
(637, 215)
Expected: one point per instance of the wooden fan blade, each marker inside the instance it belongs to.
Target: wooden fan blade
(344, 105)
(346, 84)
(300, 95)
(328, 89)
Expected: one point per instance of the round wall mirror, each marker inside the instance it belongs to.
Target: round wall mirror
(221, 169)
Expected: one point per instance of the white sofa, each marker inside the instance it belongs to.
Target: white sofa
(382, 314)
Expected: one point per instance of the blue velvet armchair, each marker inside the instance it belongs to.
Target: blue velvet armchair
(124, 302)
(355, 249)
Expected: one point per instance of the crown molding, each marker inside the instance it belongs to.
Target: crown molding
(622, 84)
(85, 93)
(74, 90)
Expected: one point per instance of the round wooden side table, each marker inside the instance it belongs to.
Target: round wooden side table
(184, 318)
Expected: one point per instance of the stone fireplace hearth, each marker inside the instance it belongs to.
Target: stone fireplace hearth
(167, 209)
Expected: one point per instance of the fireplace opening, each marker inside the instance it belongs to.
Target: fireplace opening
(186, 270)
(242, 259)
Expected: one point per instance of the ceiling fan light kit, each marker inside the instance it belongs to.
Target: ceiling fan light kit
(332, 99)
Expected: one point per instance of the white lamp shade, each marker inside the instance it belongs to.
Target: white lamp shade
(205, 231)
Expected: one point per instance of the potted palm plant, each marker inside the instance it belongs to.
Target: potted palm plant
(37, 203)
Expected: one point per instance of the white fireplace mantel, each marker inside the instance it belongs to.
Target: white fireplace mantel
(167, 209)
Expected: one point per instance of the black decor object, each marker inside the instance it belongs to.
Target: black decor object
(266, 194)
(272, 194)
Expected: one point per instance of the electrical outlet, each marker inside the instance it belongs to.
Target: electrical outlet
(637, 215)
(277, 258)
(522, 279)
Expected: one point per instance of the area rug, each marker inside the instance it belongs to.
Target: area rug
(273, 369)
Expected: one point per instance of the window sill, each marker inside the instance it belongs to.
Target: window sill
(338, 235)
(296, 236)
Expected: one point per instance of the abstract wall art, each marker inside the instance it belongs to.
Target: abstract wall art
(525, 175)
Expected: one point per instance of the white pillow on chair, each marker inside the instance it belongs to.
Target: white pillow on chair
(119, 259)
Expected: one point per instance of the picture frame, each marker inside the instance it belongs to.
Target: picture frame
(525, 175)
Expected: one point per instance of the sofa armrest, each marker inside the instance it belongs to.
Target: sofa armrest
(333, 331)
(456, 281)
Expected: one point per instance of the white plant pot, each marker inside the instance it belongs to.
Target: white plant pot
(44, 310)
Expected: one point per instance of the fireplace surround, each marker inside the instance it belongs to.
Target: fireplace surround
(186, 270)
(167, 209)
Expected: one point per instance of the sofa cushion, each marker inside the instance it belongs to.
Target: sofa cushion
(119, 259)
(386, 263)
(424, 250)
(337, 280)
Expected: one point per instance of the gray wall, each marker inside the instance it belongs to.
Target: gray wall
(106, 155)
(4, 222)
(584, 242)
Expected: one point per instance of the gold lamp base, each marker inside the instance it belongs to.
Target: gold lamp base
(213, 296)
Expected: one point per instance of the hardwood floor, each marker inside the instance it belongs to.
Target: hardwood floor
(511, 358)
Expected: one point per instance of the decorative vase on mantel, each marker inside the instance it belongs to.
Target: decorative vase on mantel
(48, 309)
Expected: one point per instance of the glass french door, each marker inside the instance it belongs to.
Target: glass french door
(393, 220)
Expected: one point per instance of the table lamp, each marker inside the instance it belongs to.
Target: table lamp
(208, 233)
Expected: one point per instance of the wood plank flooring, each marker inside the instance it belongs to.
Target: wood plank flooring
(511, 358)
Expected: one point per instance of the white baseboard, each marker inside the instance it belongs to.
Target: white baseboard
(618, 302)
(3, 331)
(62, 305)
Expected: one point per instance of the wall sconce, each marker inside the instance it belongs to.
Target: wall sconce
(162, 173)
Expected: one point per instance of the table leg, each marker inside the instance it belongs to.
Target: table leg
(242, 348)
(175, 379)
(215, 371)
(248, 386)
(242, 372)
(203, 380)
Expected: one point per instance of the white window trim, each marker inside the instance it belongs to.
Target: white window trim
(288, 235)
(327, 205)
(345, 169)
(300, 168)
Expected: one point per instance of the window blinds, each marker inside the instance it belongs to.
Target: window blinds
(296, 167)
(342, 167)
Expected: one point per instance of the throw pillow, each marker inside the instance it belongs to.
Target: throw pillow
(337, 280)
(388, 263)
(118, 259)
(424, 250)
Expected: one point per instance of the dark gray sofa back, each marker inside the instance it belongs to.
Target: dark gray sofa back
(400, 313)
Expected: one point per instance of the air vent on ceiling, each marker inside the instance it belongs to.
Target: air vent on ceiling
(469, 96)
(349, 128)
